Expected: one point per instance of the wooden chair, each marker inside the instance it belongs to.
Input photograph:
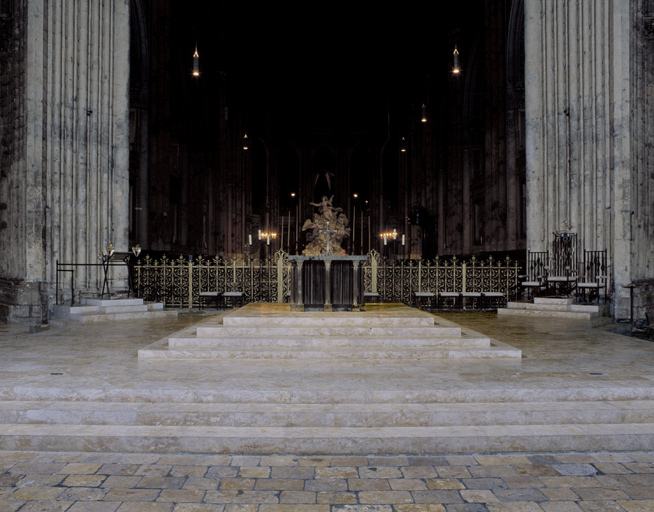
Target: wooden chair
(592, 275)
(534, 281)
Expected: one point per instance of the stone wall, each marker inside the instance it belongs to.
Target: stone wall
(65, 183)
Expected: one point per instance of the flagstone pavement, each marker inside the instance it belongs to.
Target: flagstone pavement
(121, 482)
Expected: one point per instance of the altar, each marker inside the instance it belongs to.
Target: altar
(328, 282)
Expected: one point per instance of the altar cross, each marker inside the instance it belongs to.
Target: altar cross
(328, 231)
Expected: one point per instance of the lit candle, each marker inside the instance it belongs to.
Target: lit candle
(268, 240)
(385, 240)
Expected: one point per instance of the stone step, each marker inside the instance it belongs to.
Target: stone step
(324, 415)
(333, 440)
(575, 308)
(111, 302)
(496, 350)
(547, 313)
(554, 300)
(328, 319)
(315, 331)
(108, 310)
(136, 315)
(331, 342)
(330, 395)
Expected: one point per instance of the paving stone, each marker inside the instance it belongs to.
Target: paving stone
(223, 471)
(94, 506)
(336, 498)
(543, 459)
(453, 472)
(80, 468)
(297, 497)
(575, 469)
(443, 496)
(294, 508)
(145, 507)
(198, 507)
(11, 506)
(560, 506)
(84, 480)
(195, 471)
(83, 494)
(484, 483)
(326, 484)
(444, 483)
(499, 471)
(278, 461)
(479, 496)
(514, 507)
(362, 508)
(535, 470)
(46, 506)
(388, 461)
(534, 495)
(349, 461)
(181, 496)
(140, 495)
(385, 497)
(380, 472)
(423, 507)
(40, 480)
(407, 484)
(302, 472)
(163, 482)
(254, 472)
(117, 481)
(337, 472)
(559, 494)
(154, 470)
(523, 482)
(640, 467)
(206, 484)
(600, 506)
(612, 468)
(637, 506)
(119, 469)
(241, 497)
(368, 484)
(467, 507)
(419, 472)
(238, 484)
(313, 461)
(37, 493)
(427, 461)
(591, 494)
(279, 484)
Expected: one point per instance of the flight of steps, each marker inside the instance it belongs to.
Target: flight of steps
(470, 421)
(273, 331)
(557, 307)
(101, 310)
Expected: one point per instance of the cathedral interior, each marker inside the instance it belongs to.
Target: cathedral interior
(189, 128)
(360, 105)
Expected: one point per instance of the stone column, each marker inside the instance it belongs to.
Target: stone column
(71, 172)
(579, 66)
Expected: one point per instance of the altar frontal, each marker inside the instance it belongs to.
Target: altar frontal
(324, 278)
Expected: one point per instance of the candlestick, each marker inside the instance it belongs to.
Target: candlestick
(402, 239)
(259, 234)
(249, 239)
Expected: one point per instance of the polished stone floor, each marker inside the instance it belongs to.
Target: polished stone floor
(100, 360)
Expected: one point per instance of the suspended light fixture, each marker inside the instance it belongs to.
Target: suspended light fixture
(457, 67)
(196, 63)
(246, 141)
(424, 113)
(403, 145)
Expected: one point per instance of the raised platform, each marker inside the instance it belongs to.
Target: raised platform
(117, 309)
(276, 331)
(575, 389)
(557, 307)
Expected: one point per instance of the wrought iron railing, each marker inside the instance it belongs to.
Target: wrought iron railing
(179, 282)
